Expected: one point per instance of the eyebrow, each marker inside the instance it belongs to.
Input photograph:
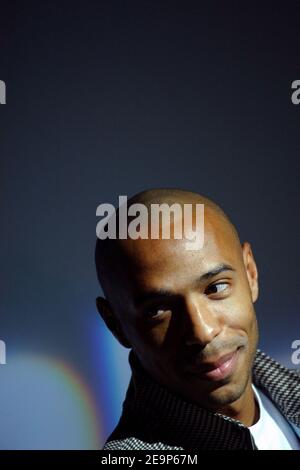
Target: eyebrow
(159, 293)
(216, 270)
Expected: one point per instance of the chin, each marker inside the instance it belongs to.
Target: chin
(225, 395)
(218, 394)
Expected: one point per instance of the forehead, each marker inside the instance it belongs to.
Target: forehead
(168, 264)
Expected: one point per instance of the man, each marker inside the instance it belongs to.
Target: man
(198, 380)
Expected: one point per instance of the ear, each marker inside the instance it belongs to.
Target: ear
(111, 321)
(251, 270)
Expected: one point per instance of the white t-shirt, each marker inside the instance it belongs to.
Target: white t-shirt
(266, 432)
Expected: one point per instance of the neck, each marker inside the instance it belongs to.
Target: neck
(245, 409)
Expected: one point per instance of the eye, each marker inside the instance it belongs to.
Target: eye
(217, 288)
(158, 312)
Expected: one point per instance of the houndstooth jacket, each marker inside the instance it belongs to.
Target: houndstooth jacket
(155, 419)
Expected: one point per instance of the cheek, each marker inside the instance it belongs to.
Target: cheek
(146, 336)
(154, 346)
(162, 342)
(238, 312)
(161, 335)
(244, 320)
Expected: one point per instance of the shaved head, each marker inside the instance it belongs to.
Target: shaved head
(109, 251)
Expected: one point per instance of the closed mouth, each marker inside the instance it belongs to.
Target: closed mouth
(218, 368)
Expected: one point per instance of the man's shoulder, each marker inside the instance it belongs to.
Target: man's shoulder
(133, 443)
(280, 384)
(131, 434)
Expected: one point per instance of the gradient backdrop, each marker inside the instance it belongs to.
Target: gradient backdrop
(106, 98)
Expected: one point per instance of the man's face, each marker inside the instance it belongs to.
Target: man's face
(189, 315)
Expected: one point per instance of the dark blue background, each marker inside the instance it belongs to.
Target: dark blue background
(106, 98)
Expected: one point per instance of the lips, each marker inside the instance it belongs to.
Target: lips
(218, 369)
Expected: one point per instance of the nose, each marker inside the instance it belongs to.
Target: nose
(202, 324)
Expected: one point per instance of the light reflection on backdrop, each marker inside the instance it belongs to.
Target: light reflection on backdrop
(45, 404)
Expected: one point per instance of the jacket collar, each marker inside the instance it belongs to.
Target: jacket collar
(280, 384)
